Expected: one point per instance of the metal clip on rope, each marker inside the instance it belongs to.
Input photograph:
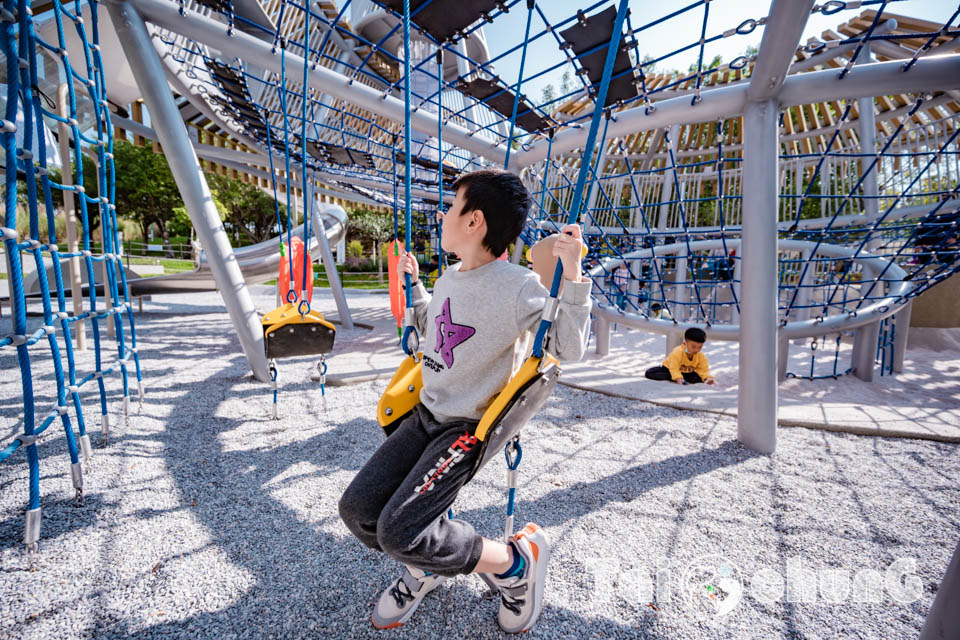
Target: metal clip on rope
(322, 370)
(273, 377)
(513, 462)
(409, 329)
(31, 536)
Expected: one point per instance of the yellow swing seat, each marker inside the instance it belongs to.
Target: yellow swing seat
(523, 396)
(286, 333)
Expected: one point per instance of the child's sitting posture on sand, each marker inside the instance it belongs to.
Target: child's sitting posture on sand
(687, 364)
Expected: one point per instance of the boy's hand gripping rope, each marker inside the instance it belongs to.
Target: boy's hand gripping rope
(551, 306)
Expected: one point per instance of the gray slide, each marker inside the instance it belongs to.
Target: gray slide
(258, 263)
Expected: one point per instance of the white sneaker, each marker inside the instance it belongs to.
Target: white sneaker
(521, 598)
(398, 602)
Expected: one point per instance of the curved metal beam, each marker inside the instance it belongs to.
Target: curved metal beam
(215, 35)
(938, 73)
(880, 309)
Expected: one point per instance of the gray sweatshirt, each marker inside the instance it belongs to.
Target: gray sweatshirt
(478, 328)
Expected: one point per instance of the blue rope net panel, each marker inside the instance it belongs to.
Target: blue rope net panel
(674, 193)
(82, 121)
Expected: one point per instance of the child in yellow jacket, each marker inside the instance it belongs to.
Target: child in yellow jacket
(687, 364)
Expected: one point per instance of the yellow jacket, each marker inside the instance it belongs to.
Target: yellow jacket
(680, 362)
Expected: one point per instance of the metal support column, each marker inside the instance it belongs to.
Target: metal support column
(757, 401)
(671, 341)
(867, 130)
(148, 69)
(866, 337)
(633, 286)
(681, 309)
(69, 208)
(901, 324)
(807, 279)
(107, 297)
(865, 350)
(601, 329)
(668, 181)
(943, 620)
(783, 356)
(329, 264)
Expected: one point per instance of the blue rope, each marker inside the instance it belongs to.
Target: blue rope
(408, 331)
(19, 43)
(440, 160)
(575, 208)
(292, 295)
(516, 92)
(304, 307)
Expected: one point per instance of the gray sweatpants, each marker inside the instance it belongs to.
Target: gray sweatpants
(398, 501)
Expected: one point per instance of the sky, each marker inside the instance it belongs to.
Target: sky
(507, 31)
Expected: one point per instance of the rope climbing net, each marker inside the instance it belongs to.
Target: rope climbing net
(81, 117)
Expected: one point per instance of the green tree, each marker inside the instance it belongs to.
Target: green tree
(374, 226)
(548, 94)
(145, 189)
(716, 62)
(247, 209)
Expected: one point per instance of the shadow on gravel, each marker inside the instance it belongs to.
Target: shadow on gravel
(59, 517)
(305, 582)
(577, 500)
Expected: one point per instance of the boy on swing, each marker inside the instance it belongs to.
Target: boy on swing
(476, 331)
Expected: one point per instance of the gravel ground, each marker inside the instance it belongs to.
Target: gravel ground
(204, 518)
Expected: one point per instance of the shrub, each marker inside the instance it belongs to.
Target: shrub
(354, 249)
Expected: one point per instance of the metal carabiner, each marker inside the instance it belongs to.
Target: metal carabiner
(322, 372)
(409, 331)
(300, 307)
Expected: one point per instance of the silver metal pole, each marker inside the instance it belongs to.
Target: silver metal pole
(867, 123)
(518, 247)
(901, 335)
(943, 620)
(757, 401)
(668, 181)
(329, 264)
(783, 356)
(69, 209)
(216, 35)
(601, 331)
(866, 337)
(147, 68)
(931, 74)
(681, 311)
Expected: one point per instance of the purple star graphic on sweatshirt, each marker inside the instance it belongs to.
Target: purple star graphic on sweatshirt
(450, 334)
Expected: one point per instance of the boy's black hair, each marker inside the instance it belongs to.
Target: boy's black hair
(694, 334)
(504, 201)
